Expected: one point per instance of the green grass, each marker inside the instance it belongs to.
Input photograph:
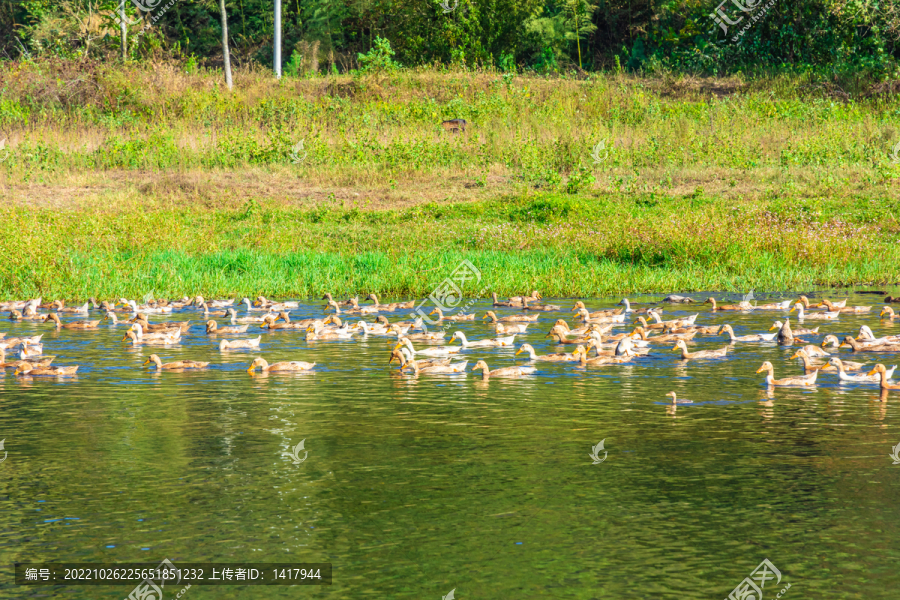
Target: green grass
(560, 244)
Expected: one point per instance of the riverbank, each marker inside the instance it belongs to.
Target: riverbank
(563, 245)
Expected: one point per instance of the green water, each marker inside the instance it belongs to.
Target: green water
(414, 487)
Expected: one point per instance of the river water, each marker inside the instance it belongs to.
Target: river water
(412, 488)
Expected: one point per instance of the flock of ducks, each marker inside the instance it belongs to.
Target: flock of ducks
(592, 333)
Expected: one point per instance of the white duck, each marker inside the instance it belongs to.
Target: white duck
(433, 351)
(862, 378)
(489, 343)
(239, 344)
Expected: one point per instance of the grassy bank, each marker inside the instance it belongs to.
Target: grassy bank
(560, 244)
(128, 180)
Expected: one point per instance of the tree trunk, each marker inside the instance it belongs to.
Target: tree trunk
(225, 51)
(123, 27)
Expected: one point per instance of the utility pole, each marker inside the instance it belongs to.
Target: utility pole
(225, 51)
(278, 39)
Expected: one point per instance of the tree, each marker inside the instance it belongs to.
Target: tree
(225, 51)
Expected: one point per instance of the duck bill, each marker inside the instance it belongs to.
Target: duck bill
(760, 370)
(792, 310)
(146, 362)
(872, 372)
(518, 352)
(796, 355)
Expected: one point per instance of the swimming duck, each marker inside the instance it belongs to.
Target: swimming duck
(871, 377)
(611, 312)
(506, 303)
(165, 341)
(398, 330)
(675, 399)
(509, 319)
(33, 370)
(830, 340)
(808, 367)
(488, 343)
(639, 311)
(663, 338)
(280, 367)
(801, 331)
(251, 308)
(881, 371)
(516, 371)
(743, 306)
(178, 365)
(753, 337)
(541, 307)
(199, 301)
(510, 328)
(685, 355)
(212, 313)
(674, 322)
(239, 344)
(436, 369)
(270, 322)
(212, 328)
(827, 316)
(73, 325)
(774, 306)
(787, 381)
(174, 332)
(887, 310)
(452, 318)
(815, 351)
(858, 346)
(866, 335)
(844, 309)
(435, 351)
(602, 360)
(558, 357)
(141, 320)
(82, 310)
(562, 337)
(403, 355)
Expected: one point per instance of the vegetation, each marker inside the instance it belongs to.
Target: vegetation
(846, 39)
(125, 180)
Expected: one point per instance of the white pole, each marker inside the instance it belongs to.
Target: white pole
(123, 28)
(278, 39)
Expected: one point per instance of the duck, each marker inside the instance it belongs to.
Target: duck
(425, 336)
(509, 319)
(43, 361)
(235, 319)
(815, 351)
(753, 337)
(774, 306)
(28, 368)
(870, 377)
(843, 309)
(213, 328)
(881, 371)
(313, 332)
(174, 332)
(251, 308)
(801, 314)
(808, 367)
(82, 310)
(562, 337)
(675, 399)
(459, 368)
(664, 338)
(453, 318)
(135, 340)
(199, 301)
(15, 315)
(434, 351)
(611, 312)
(488, 343)
(647, 326)
(787, 381)
(393, 305)
(676, 299)
(602, 360)
(32, 340)
(348, 302)
(585, 316)
(146, 308)
(502, 328)
(867, 336)
(830, 340)
(403, 355)
(28, 352)
(685, 355)
(541, 307)
(887, 310)
(178, 365)
(270, 322)
(801, 331)
(503, 304)
(275, 306)
(212, 313)
(373, 329)
(239, 344)
(674, 322)
(558, 357)
(74, 324)
(291, 366)
(506, 372)
(141, 320)
(785, 336)
(869, 347)
(743, 306)
(625, 302)
(700, 329)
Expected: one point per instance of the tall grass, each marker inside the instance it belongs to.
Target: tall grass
(559, 244)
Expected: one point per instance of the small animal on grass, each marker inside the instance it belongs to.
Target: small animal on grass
(454, 125)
